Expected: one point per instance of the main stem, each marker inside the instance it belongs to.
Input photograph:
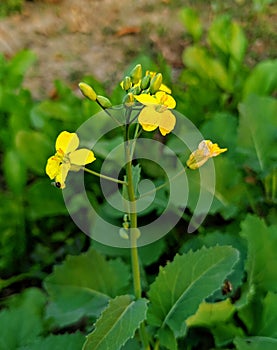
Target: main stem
(133, 221)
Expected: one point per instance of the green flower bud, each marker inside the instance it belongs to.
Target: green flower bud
(136, 74)
(156, 83)
(88, 91)
(145, 82)
(136, 90)
(104, 101)
(126, 83)
(129, 99)
(123, 233)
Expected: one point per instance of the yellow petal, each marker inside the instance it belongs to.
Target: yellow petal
(165, 89)
(149, 118)
(167, 122)
(81, 157)
(146, 99)
(61, 176)
(165, 99)
(67, 142)
(52, 167)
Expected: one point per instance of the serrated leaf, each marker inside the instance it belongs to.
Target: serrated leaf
(22, 322)
(256, 343)
(183, 284)
(117, 324)
(262, 246)
(57, 342)
(82, 285)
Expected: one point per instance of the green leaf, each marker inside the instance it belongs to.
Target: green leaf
(257, 132)
(15, 171)
(73, 341)
(34, 148)
(209, 314)
(22, 322)
(167, 338)
(262, 80)
(268, 320)
(183, 284)
(18, 66)
(117, 324)
(192, 23)
(261, 262)
(228, 37)
(256, 343)
(82, 285)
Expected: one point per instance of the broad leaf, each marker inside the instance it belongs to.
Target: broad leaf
(34, 148)
(183, 284)
(117, 324)
(262, 80)
(57, 342)
(262, 246)
(82, 285)
(256, 343)
(192, 23)
(257, 132)
(22, 322)
(268, 320)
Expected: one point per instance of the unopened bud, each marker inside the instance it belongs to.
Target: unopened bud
(126, 83)
(156, 83)
(145, 82)
(136, 90)
(123, 233)
(104, 101)
(88, 91)
(136, 74)
(129, 99)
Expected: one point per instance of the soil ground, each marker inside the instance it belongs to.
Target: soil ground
(73, 38)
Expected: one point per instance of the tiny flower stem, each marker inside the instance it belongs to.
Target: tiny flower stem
(105, 176)
(108, 113)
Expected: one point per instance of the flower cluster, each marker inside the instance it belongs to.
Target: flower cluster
(154, 95)
(154, 103)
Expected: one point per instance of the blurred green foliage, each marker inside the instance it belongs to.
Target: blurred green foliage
(7, 7)
(229, 103)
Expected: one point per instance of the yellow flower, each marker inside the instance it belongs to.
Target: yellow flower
(206, 149)
(156, 114)
(67, 157)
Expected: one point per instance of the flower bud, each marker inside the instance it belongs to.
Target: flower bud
(123, 233)
(155, 83)
(136, 74)
(136, 90)
(88, 91)
(103, 101)
(126, 83)
(145, 82)
(129, 99)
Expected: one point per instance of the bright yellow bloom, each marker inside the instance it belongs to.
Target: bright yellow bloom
(156, 114)
(206, 149)
(67, 157)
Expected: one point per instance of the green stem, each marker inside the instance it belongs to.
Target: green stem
(105, 176)
(133, 226)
